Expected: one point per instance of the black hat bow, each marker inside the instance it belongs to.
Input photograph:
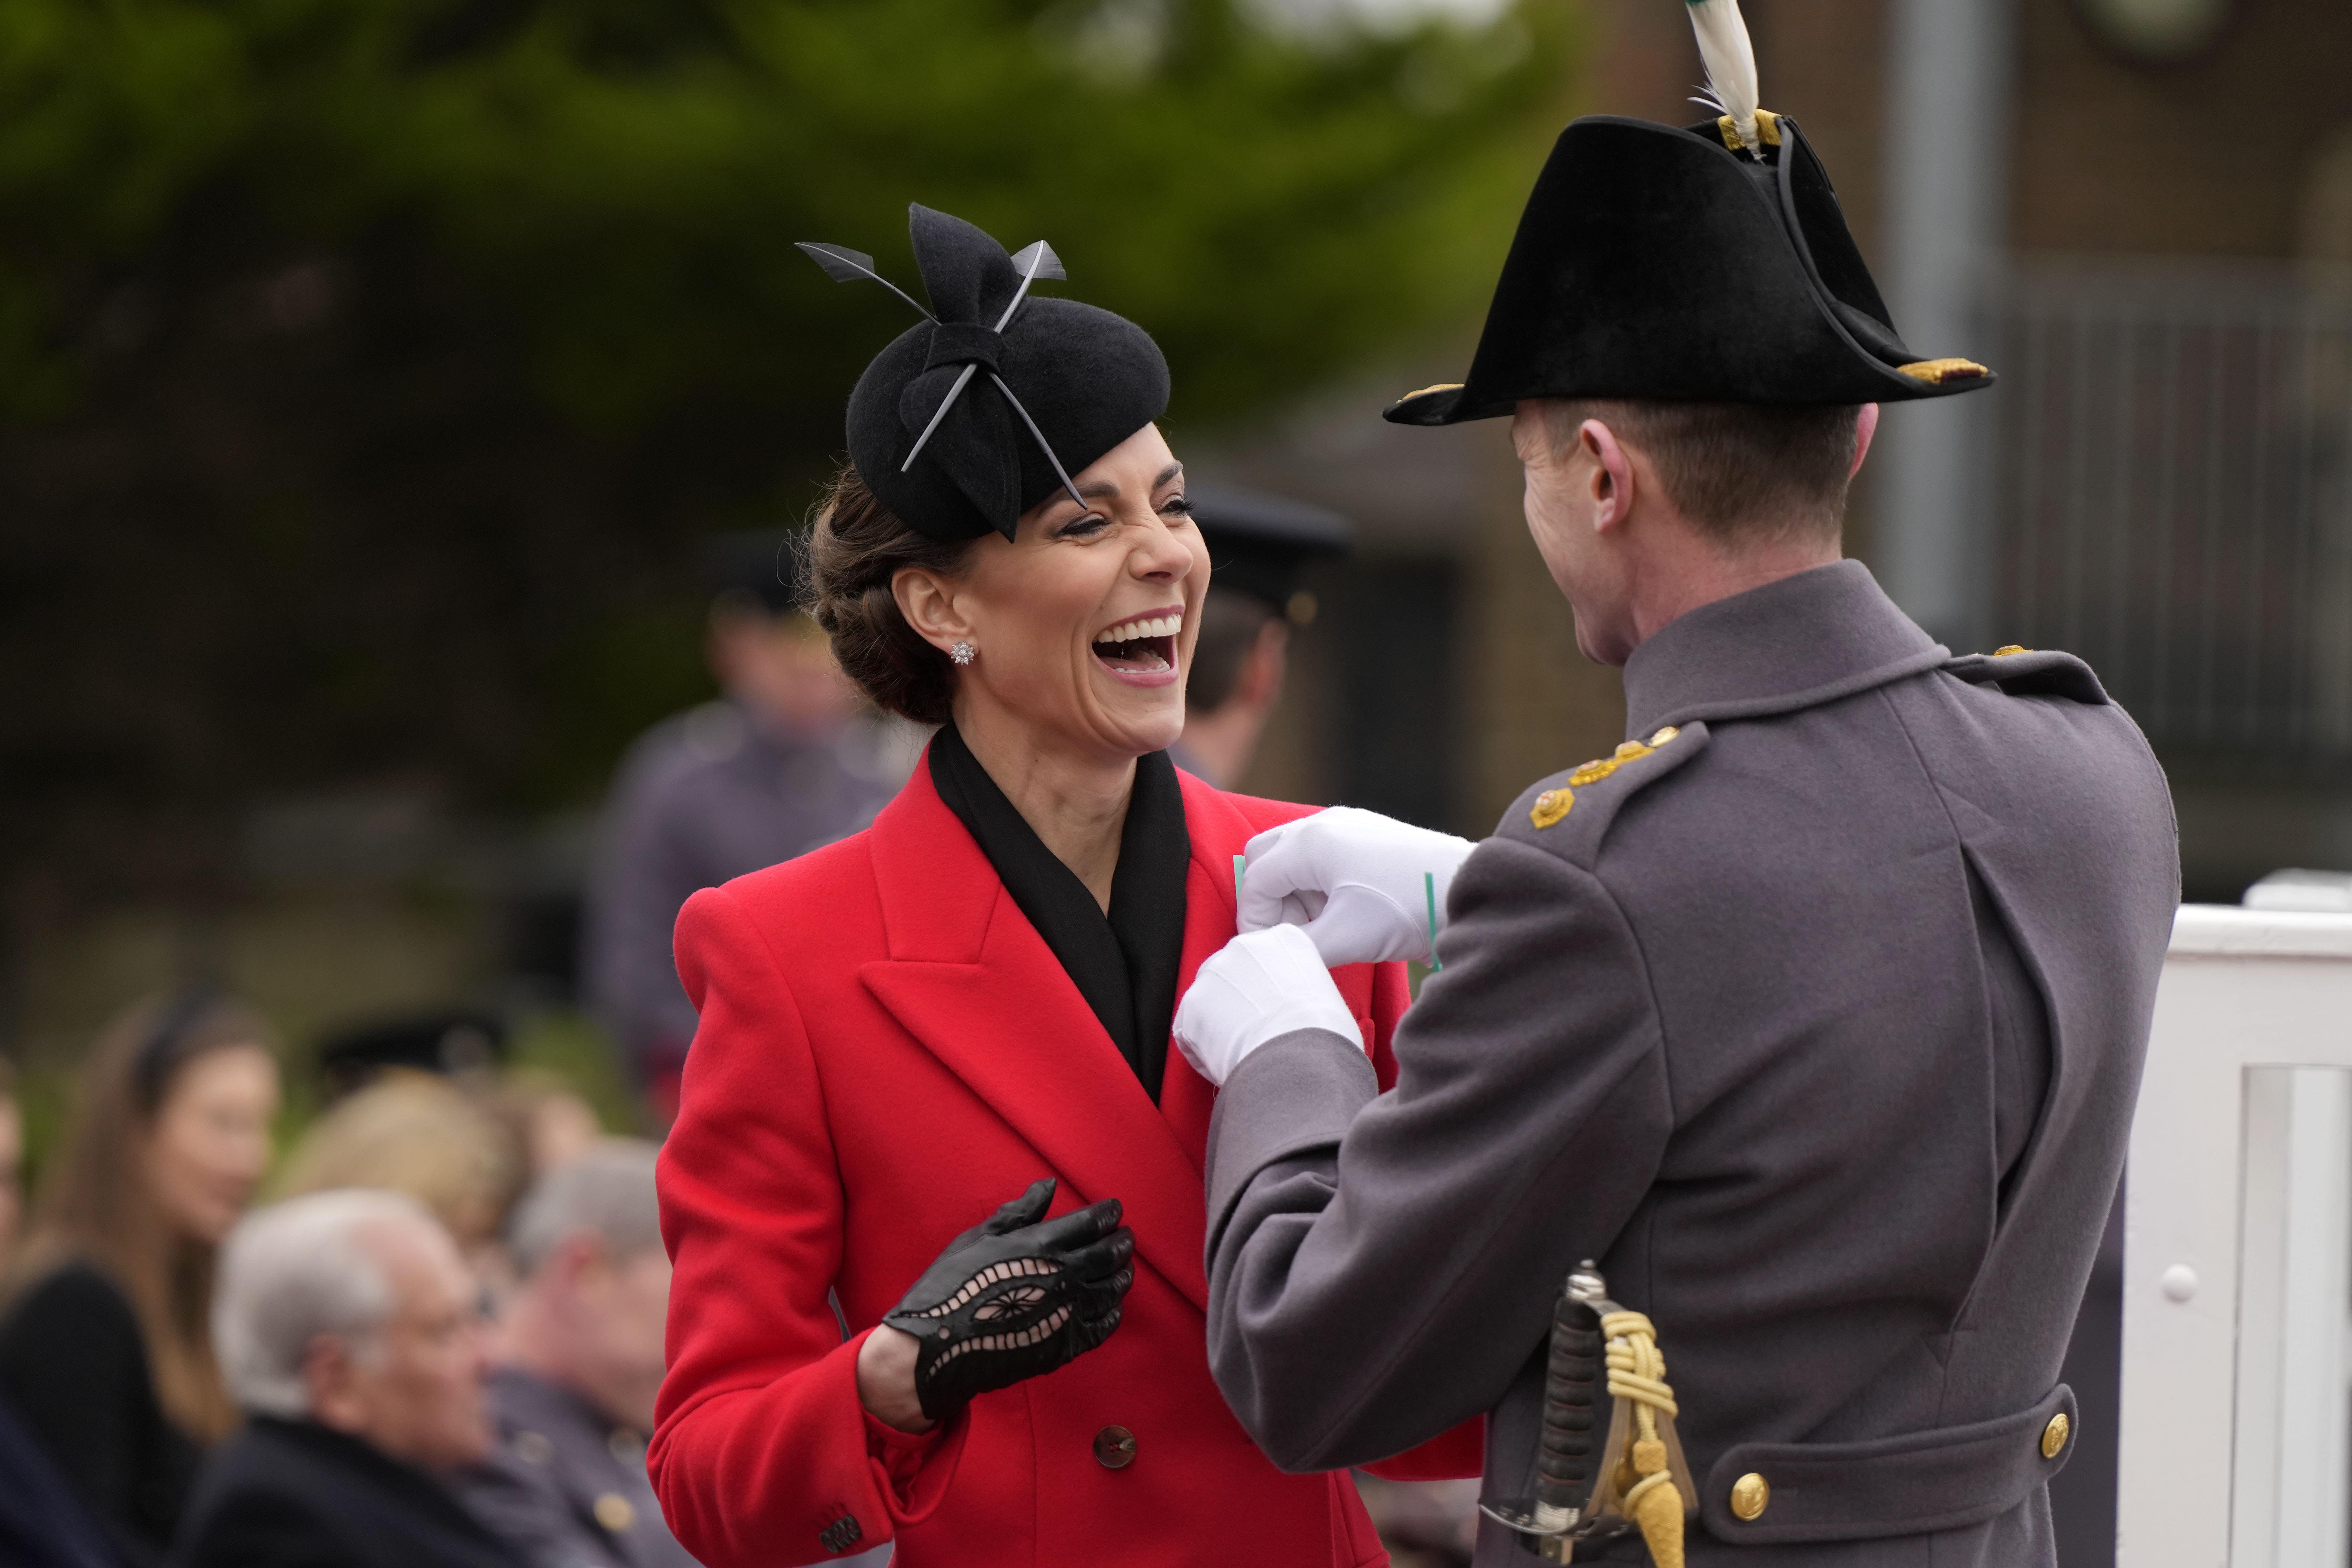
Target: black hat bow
(977, 415)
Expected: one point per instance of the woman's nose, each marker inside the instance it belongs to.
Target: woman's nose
(1163, 556)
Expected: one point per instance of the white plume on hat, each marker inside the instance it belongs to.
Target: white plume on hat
(1730, 60)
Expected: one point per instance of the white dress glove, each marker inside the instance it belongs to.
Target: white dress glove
(1257, 986)
(1357, 881)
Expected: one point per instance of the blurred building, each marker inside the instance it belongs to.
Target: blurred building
(2141, 213)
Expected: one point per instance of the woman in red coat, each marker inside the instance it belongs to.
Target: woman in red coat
(967, 1006)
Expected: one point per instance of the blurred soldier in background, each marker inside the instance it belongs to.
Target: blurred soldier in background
(1258, 547)
(781, 764)
(580, 1350)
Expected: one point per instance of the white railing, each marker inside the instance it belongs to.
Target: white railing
(2237, 1424)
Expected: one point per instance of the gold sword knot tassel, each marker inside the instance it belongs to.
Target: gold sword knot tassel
(1637, 1373)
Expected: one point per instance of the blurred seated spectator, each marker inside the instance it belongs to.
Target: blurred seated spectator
(106, 1359)
(580, 1353)
(42, 1523)
(348, 1332)
(418, 1134)
(11, 1161)
(548, 1120)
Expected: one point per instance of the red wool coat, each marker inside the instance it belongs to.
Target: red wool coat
(887, 1050)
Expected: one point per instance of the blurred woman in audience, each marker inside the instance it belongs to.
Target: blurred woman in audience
(106, 1352)
(422, 1134)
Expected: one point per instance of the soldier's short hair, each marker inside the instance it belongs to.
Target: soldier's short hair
(607, 1193)
(309, 1267)
(1740, 471)
(1230, 624)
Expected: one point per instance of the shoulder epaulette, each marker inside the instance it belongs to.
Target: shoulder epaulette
(2031, 672)
(1569, 814)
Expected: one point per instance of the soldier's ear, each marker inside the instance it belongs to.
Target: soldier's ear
(1865, 425)
(1608, 486)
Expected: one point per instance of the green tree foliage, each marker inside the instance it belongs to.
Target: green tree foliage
(370, 364)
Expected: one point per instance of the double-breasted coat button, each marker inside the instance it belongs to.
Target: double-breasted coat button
(1750, 1493)
(2054, 1436)
(1114, 1447)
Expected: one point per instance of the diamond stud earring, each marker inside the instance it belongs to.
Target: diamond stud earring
(961, 653)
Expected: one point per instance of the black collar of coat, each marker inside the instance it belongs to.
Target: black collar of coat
(1124, 964)
(1806, 639)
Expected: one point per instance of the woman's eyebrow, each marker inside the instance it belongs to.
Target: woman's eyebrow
(1103, 487)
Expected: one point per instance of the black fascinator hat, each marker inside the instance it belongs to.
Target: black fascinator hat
(1706, 263)
(990, 405)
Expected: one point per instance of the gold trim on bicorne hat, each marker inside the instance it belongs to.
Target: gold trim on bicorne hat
(1936, 372)
(1767, 131)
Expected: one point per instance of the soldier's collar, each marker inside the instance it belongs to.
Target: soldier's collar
(1803, 641)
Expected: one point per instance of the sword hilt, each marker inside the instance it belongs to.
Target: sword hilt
(1568, 1452)
(1569, 1449)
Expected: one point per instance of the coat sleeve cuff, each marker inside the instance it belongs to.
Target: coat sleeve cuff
(1297, 1092)
(912, 1470)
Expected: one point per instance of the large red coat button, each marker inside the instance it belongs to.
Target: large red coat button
(1114, 1447)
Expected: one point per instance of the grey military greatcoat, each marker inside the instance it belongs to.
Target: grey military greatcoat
(1818, 1023)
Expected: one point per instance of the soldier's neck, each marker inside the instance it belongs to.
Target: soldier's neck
(1679, 570)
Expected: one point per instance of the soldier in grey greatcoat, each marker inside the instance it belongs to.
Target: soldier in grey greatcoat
(781, 764)
(1814, 1014)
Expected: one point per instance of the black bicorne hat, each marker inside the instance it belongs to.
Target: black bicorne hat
(1653, 262)
(988, 406)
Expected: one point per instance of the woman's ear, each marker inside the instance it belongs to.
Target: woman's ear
(928, 601)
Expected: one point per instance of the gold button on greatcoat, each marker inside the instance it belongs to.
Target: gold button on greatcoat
(613, 1512)
(1750, 1493)
(2054, 1436)
(1114, 1447)
(1550, 806)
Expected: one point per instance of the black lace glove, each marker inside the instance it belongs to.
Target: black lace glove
(1011, 1298)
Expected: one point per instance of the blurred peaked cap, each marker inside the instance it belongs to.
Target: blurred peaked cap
(769, 564)
(1653, 262)
(1258, 544)
(440, 1040)
(1088, 378)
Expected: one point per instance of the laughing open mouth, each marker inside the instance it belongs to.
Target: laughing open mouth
(1145, 646)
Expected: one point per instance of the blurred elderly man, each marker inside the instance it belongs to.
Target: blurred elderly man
(581, 1359)
(347, 1329)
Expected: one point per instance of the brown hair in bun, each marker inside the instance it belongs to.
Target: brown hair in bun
(857, 546)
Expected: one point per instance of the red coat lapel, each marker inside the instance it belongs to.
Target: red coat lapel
(969, 978)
